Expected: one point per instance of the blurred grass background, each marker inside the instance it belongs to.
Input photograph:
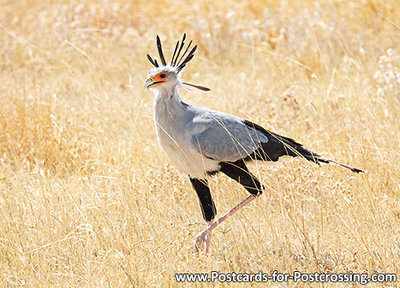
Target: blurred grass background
(89, 199)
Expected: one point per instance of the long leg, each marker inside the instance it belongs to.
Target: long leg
(207, 208)
(239, 172)
(206, 203)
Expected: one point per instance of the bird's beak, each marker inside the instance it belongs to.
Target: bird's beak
(148, 83)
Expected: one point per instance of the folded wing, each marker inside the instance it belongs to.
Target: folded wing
(225, 137)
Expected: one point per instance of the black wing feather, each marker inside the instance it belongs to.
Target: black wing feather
(278, 146)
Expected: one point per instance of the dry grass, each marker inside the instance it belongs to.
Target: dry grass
(86, 195)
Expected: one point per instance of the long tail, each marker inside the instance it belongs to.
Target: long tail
(278, 146)
(328, 161)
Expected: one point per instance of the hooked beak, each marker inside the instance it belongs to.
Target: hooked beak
(150, 82)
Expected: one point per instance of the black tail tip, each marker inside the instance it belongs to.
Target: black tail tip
(358, 170)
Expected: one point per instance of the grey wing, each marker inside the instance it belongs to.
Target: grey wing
(225, 137)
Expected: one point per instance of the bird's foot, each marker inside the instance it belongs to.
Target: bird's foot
(203, 237)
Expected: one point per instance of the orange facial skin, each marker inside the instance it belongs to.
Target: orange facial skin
(160, 77)
(156, 79)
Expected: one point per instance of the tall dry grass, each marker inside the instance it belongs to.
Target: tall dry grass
(87, 197)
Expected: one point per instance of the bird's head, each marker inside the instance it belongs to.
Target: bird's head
(167, 75)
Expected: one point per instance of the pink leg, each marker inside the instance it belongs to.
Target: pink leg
(205, 235)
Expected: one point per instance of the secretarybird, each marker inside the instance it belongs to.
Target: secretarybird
(202, 142)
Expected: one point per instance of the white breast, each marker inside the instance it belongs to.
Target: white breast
(187, 161)
(174, 131)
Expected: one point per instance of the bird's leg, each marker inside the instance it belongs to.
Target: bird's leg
(208, 241)
(238, 172)
(205, 235)
(207, 208)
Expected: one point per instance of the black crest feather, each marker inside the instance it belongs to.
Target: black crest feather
(180, 49)
(160, 52)
(176, 61)
(187, 59)
(151, 60)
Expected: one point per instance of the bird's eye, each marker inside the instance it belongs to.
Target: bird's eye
(162, 75)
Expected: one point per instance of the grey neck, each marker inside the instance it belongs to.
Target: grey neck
(168, 104)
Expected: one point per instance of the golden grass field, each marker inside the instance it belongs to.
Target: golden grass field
(89, 199)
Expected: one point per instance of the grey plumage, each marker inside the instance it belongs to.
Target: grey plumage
(201, 142)
(225, 137)
(198, 139)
